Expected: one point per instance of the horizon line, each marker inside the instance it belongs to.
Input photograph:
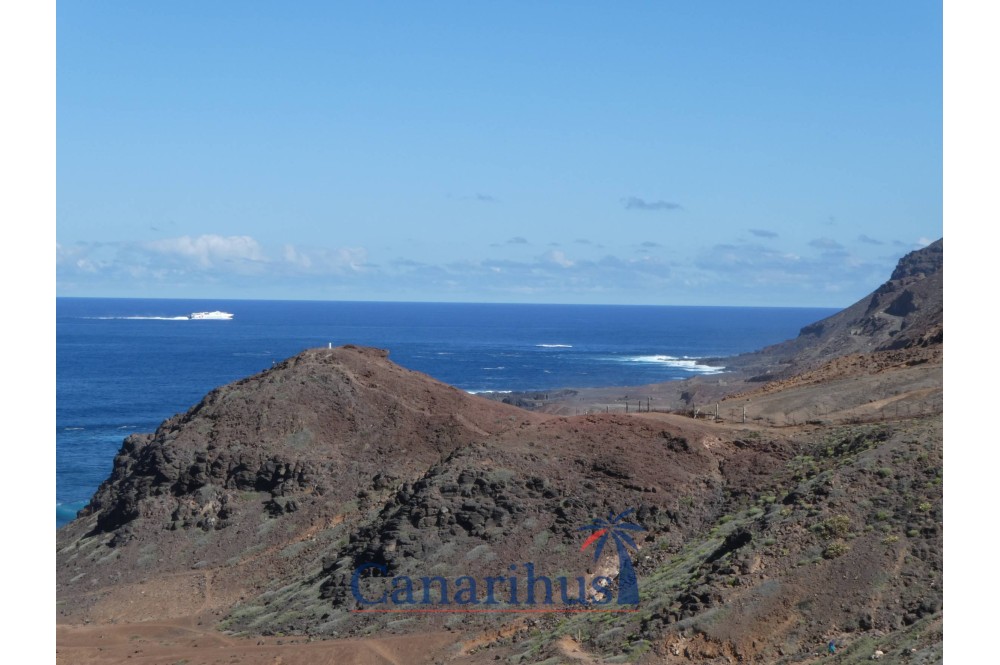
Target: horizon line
(452, 302)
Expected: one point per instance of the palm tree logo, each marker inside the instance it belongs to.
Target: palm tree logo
(614, 526)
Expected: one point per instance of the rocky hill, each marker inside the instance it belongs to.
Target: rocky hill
(301, 439)
(904, 312)
(233, 533)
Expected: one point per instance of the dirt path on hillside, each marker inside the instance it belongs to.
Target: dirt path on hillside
(182, 641)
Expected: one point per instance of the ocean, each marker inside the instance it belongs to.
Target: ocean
(123, 365)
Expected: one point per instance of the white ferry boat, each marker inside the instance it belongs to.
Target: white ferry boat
(223, 316)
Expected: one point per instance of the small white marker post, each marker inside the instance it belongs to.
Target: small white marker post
(329, 345)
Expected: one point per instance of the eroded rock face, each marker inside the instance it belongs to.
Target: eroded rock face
(921, 263)
(203, 482)
(905, 311)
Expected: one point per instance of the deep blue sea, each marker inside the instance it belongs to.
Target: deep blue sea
(125, 365)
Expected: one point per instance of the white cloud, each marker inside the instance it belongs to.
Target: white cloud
(85, 265)
(293, 256)
(559, 258)
(354, 258)
(326, 261)
(209, 250)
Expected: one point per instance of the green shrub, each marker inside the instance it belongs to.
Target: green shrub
(835, 549)
(832, 527)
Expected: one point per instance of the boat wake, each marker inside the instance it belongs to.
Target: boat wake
(194, 316)
(139, 318)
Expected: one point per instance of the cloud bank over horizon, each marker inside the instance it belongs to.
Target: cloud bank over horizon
(821, 273)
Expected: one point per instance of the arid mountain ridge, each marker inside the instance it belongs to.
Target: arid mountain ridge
(906, 311)
(234, 529)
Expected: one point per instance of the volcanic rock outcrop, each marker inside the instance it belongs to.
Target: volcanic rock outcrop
(905, 311)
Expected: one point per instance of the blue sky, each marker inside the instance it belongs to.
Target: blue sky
(777, 153)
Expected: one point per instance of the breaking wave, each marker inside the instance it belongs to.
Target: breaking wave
(687, 364)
